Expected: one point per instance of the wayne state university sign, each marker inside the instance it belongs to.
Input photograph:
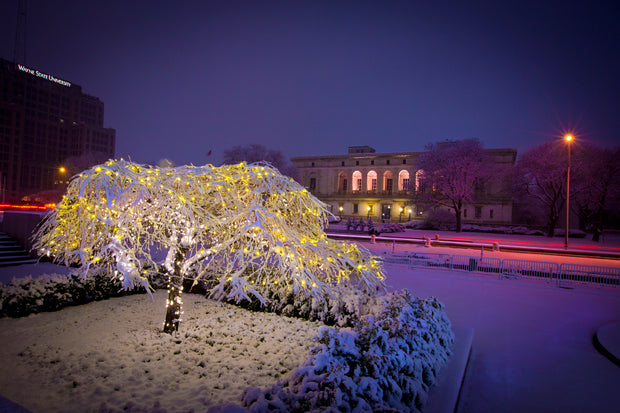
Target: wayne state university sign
(43, 75)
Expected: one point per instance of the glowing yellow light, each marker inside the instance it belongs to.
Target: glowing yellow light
(568, 138)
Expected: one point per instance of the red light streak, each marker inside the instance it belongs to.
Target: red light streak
(547, 244)
(11, 207)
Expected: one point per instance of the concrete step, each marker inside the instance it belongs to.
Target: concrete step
(11, 253)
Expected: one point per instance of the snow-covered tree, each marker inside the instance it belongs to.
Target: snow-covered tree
(451, 173)
(238, 228)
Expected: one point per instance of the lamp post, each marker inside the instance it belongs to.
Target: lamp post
(61, 175)
(369, 209)
(400, 217)
(340, 208)
(568, 139)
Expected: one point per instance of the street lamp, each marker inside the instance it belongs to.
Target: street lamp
(369, 209)
(61, 175)
(400, 217)
(340, 208)
(409, 214)
(568, 139)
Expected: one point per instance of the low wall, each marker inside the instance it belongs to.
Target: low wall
(20, 225)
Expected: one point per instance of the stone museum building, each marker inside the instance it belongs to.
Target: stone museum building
(383, 186)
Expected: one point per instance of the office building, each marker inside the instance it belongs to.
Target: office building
(45, 120)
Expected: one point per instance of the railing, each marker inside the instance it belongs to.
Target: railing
(589, 274)
(510, 268)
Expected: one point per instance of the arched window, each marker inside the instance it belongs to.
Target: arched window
(343, 182)
(357, 181)
(388, 180)
(371, 183)
(419, 178)
(403, 181)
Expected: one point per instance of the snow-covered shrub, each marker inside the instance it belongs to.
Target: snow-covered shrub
(24, 296)
(415, 224)
(386, 362)
(391, 227)
(342, 307)
(440, 219)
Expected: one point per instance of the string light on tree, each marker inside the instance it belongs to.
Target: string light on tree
(234, 227)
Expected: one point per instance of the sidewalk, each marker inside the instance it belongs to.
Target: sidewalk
(533, 345)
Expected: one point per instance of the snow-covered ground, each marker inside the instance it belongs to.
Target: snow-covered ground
(112, 356)
(532, 348)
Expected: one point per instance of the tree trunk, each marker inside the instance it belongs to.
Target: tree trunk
(457, 212)
(551, 221)
(174, 303)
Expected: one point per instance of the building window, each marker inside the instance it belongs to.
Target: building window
(342, 163)
(478, 212)
(342, 182)
(387, 162)
(357, 181)
(465, 213)
(403, 180)
(404, 161)
(355, 208)
(491, 214)
(312, 184)
(312, 163)
(387, 181)
(371, 181)
(372, 162)
(357, 163)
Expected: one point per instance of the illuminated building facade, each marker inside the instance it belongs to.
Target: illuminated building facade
(44, 120)
(384, 186)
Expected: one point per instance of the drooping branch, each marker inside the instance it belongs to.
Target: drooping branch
(240, 228)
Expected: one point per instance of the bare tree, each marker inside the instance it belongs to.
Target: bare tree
(598, 180)
(452, 171)
(258, 153)
(79, 163)
(238, 228)
(541, 174)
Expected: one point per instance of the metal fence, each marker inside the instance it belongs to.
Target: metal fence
(510, 268)
(577, 273)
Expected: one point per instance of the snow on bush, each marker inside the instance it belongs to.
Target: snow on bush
(386, 362)
(391, 227)
(24, 296)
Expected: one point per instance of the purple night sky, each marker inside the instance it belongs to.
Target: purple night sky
(313, 77)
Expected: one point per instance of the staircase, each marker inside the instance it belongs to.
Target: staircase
(11, 253)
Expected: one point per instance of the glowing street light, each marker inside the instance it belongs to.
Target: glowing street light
(400, 217)
(62, 170)
(340, 208)
(568, 139)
